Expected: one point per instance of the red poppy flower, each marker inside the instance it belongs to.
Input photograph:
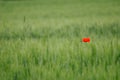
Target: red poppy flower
(86, 40)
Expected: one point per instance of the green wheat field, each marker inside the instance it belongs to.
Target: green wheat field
(42, 39)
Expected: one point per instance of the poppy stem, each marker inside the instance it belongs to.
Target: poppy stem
(117, 36)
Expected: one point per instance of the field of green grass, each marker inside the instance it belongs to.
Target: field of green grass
(41, 40)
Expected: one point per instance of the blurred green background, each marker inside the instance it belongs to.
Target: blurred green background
(41, 39)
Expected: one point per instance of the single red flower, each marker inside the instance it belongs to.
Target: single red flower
(86, 40)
